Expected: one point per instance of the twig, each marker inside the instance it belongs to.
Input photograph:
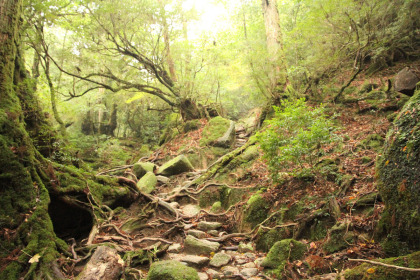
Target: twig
(386, 265)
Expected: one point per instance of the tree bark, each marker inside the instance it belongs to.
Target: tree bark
(278, 70)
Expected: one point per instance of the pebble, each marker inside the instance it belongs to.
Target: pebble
(175, 248)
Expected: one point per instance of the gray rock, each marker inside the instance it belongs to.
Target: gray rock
(195, 260)
(405, 81)
(199, 246)
(175, 166)
(206, 226)
(174, 248)
(141, 168)
(249, 265)
(214, 274)
(190, 210)
(220, 259)
(213, 232)
(203, 276)
(147, 183)
(244, 248)
(228, 138)
(249, 272)
(162, 179)
(230, 270)
(105, 264)
(197, 233)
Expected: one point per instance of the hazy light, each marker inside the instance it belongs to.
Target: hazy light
(213, 17)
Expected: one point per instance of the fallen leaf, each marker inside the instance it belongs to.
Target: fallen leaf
(35, 259)
(370, 270)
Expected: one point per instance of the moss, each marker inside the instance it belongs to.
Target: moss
(216, 207)
(171, 270)
(282, 252)
(215, 129)
(191, 125)
(339, 238)
(141, 168)
(175, 166)
(257, 209)
(398, 182)
(147, 183)
(264, 240)
(372, 142)
(376, 272)
(136, 258)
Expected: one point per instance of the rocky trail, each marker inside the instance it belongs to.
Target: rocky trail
(205, 207)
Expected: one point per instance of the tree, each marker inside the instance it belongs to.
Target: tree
(278, 73)
(28, 180)
(135, 40)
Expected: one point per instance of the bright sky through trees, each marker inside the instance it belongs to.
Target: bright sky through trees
(212, 17)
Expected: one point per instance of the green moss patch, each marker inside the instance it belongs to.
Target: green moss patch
(377, 272)
(215, 129)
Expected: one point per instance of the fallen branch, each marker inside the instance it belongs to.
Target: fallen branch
(386, 265)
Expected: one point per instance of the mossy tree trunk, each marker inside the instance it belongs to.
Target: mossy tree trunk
(24, 198)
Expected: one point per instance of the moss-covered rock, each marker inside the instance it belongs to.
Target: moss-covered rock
(216, 129)
(171, 270)
(340, 237)
(281, 252)
(256, 211)
(216, 207)
(175, 166)
(147, 183)
(141, 168)
(377, 272)
(200, 246)
(398, 172)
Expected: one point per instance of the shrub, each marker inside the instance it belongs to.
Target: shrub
(295, 136)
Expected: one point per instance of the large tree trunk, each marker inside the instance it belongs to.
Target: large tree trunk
(278, 71)
(24, 198)
(28, 182)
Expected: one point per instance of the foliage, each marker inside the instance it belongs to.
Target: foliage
(295, 136)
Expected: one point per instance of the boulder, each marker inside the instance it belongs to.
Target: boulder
(405, 81)
(171, 270)
(141, 168)
(104, 264)
(228, 137)
(283, 251)
(199, 246)
(398, 180)
(147, 183)
(175, 166)
(219, 132)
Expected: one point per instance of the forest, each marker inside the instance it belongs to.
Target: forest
(209, 139)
